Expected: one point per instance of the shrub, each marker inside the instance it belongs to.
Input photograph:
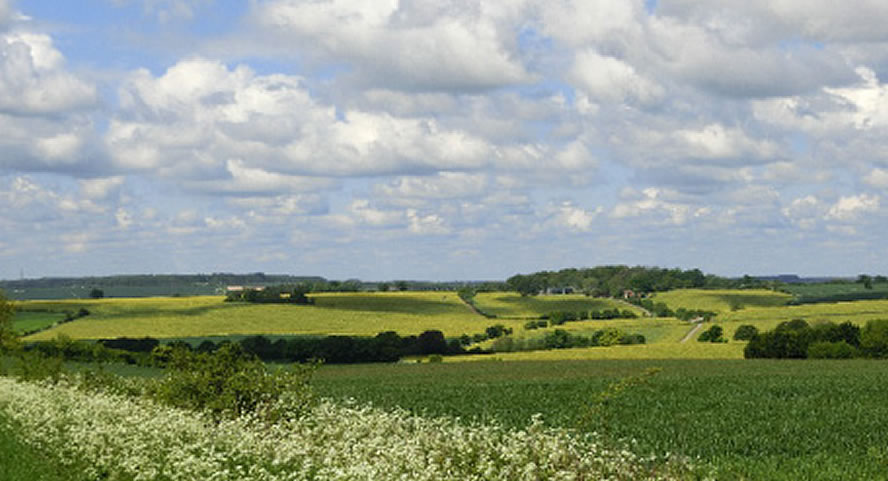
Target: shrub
(607, 337)
(831, 350)
(231, 383)
(745, 332)
(874, 338)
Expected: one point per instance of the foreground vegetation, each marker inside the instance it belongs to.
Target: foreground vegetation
(105, 435)
(762, 420)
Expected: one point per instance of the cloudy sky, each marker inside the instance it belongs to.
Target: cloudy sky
(442, 139)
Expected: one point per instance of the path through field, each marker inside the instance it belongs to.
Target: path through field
(691, 333)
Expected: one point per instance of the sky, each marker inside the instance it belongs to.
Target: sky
(442, 139)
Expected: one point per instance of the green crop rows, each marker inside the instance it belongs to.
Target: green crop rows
(748, 419)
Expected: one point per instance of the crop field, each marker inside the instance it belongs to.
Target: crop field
(335, 313)
(721, 301)
(512, 305)
(772, 420)
(26, 321)
(836, 291)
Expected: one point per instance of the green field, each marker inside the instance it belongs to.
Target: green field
(762, 420)
(364, 314)
(721, 301)
(836, 291)
(27, 321)
(511, 305)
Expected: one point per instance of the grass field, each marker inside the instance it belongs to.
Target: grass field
(25, 321)
(512, 305)
(721, 301)
(825, 291)
(364, 314)
(762, 420)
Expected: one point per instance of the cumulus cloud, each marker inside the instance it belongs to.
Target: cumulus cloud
(444, 185)
(849, 208)
(609, 79)
(201, 120)
(33, 79)
(662, 205)
(573, 217)
(423, 45)
(715, 141)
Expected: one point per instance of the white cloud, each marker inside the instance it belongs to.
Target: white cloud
(714, 141)
(850, 208)
(428, 224)
(361, 210)
(444, 185)
(654, 201)
(576, 218)
(190, 122)
(33, 79)
(804, 212)
(877, 178)
(609, 79)
(416, 45)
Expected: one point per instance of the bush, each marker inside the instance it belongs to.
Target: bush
(874, 338)
(745, 332)
(713, 334)
(231, 383)
(831, 350)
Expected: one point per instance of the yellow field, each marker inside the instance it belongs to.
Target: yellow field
(722, 301)
(335, 313)
(512, 305)
(366, 314)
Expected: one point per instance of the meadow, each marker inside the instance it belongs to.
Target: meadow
(359, 314)
(510, 305)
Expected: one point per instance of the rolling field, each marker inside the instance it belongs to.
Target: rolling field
(511, 305)
(721, 301)
(364, 314)
(762, 420)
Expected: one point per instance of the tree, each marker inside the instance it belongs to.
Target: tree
(8, 338)
(866, 280)
(432, 342)
(401, 285)
(96, 293)
(383, 286)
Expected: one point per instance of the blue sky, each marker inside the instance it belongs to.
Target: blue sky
(446, 139)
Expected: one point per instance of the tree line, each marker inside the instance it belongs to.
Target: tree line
(615, 281)
(797, 339)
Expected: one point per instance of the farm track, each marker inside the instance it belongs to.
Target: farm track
(691, 333)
